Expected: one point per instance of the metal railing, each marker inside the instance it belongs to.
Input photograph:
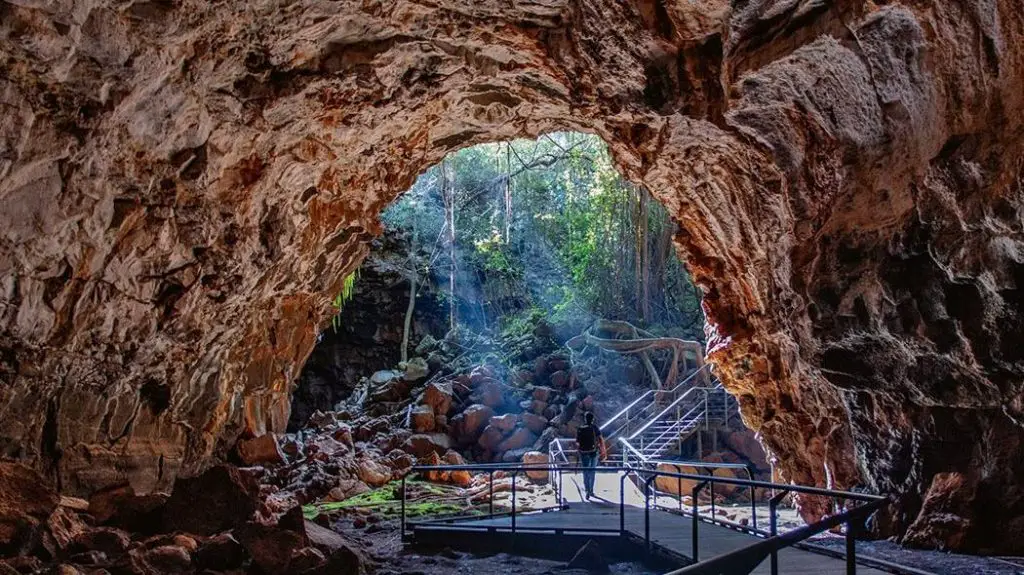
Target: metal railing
(739, 562)
(621, 421)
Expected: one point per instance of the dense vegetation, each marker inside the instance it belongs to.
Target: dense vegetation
(546, 229)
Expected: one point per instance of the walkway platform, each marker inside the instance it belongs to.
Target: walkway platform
(631, 527)
(671, 532)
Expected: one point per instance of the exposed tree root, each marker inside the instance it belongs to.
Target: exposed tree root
(630, 340)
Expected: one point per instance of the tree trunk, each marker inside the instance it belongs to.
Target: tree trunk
(508, 192)
(407, 326)
(643, 269)
(448, 194)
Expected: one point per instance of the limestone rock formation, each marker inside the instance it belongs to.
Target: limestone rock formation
(185, 186)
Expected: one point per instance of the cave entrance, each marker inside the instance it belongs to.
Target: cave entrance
(531, 263)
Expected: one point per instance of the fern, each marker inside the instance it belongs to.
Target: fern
(348, 286)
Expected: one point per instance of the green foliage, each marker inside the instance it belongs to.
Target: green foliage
(566, 234)
(522, 323)
(496, 256)
(348, 286)
(386, 502)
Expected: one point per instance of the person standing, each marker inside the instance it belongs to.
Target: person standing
(589, 441)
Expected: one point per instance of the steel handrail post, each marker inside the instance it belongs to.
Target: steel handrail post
(679, 487)
(753, 504)
(514, 473)
(561, 494)
(851, 550)
(706, 413)
(403, 507)
(773, 527)
(711, 490)
(725, 408)
(490, 492)
(647, 513)
(696, 516)
(622, 503)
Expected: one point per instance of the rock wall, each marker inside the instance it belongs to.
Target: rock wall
(367, 335)
(184, 185)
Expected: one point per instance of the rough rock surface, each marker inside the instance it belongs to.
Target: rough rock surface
(367, 333)
(26, 501)
(185, 186)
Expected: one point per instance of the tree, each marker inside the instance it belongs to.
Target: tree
(550, 224)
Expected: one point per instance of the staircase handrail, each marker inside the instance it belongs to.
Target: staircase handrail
(674, 403)
(675, 427)
(629, 447)
(650, 392)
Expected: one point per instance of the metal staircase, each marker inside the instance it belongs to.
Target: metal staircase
(656, 424)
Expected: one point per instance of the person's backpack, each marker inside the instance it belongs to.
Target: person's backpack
(586, 438)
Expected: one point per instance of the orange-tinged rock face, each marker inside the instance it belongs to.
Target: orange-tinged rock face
(186, 186)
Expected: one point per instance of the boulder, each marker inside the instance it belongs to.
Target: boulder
(490, 438)
(394, 389)
(545, 439)
(221, 498)
(400, 462)
(347, 560)
(942, 523)
(396, 439)
(26, 501)
(520, 438)
(426, 345)
(552, 411)
(270, 546)
(433, 460)
(461, 477)
(324, 539)
(163, 559)
(368, 429)
(291, 447)
(481, 373)
(384, 377)
(538, 407)
(475, 418)
(321, 420)
(523, 376)
(306, 559)
(75, 503)
(415, 369)
(373, 473)
(536, 458)
(542, 393)
(560, 380)
(347, 488)
(343, 435)
(514, 455)
(673, 485)
(420, 444)
(119, 506)
(326, 445)
(108, 540)
(262, 450)
(535, 423)
(422, 419)
(504, 423)
(540, 367)
(438, 396)
(746, 445)
(558, 364)
(491, 394)
(62, 526)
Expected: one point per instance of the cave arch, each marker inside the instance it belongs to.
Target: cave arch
(184, 186)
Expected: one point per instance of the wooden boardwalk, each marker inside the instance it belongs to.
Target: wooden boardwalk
(670, 531)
